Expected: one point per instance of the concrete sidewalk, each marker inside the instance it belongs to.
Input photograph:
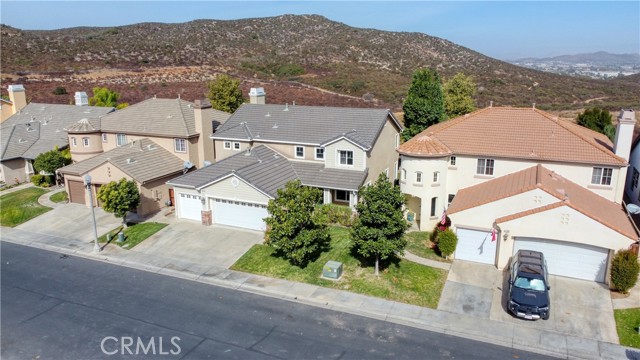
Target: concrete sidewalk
(495, 332)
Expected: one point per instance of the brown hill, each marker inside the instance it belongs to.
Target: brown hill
(371, 67)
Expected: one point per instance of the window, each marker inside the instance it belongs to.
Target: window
(121, 139)
(434, 203)
(74, 142)
(397, 140)
(319, 153)
(634, 179)
(227, 145)
(601, 176)
(386, 172)
(452, 161)
(436, 176)
(85, 141)
(180, 145)
(346, 157)
(485, 167)
(236, 146)
(395, 171)
(342, 195)
(104, 138)
(403, 175)
(300, 152)
(450, 199)
(419, 177)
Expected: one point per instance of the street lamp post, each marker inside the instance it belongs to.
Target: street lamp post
(87, 183)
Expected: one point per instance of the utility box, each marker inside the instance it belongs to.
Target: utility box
(332, 270)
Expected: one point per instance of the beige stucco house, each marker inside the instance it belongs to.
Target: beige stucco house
(262, 146)
(513, 178)
(150, 143)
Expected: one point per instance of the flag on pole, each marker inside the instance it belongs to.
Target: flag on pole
(443, 220)
(493, 234)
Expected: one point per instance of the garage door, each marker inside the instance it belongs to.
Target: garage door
(240, 214)
(189, 207)
(568, 259)
(475, 245)
(76, 192)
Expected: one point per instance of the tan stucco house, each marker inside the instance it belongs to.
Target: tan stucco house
(263, 146)
(520, 178)
(149, 142)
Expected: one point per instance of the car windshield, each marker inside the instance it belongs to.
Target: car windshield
(529, 284)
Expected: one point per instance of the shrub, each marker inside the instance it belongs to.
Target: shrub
(336, 214)
(624, 270)
(38, 180)
(447, 241)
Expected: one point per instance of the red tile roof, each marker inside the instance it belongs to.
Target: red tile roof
(520, 133)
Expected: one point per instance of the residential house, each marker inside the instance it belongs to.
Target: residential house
(520, 178)
(35, 129)
(149, 142)
(17, 101)
(263, 146)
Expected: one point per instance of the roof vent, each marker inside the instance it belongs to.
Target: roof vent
(294, 103)
(268, 114)
(275, 126)
(33, 118)
(491, 103)
(130, 161)
(206, 163)
(22, 141)
(534, 106)
(169, 116)
(286, 107)
(57, 130)
(150, 147)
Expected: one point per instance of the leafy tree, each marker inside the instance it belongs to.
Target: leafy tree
(624, 270)
(598, 120)
(379, 229)
(119, 198)
(458, 95)
(104, 97)
(50, 161)
(424, 105)
(225, 93)
(295, 232)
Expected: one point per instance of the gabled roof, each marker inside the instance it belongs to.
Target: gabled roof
(312, 125)
(49, 122)
(143, 160)
(269, 171)
(568, 193)
(517, 133)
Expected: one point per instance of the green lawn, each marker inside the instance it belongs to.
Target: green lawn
(21, 206)
(59, 197)
(403, 281)
(134, 234)
(418, 244)
(627, 322)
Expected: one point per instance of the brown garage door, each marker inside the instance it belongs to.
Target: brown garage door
(76, 192)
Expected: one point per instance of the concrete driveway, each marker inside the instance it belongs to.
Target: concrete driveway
(578, 308)
(215, 245)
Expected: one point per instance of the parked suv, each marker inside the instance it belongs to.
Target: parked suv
(529, 286)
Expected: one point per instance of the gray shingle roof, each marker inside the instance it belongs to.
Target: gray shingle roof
(50, 122)
(85, 126)
(269, 171)
(143, 160)
(303, 124)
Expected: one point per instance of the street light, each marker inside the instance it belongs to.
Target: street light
(87, 184)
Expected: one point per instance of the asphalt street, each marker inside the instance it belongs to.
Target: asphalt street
(54, 306)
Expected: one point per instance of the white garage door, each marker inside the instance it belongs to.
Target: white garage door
(568, 259)
(189, 207)
(475, 245)
(240, 214)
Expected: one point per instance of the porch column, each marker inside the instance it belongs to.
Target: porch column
(206, 211)
(326, 196)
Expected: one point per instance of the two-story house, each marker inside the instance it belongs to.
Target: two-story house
(149, 142)
(263, 146)
(520, 178)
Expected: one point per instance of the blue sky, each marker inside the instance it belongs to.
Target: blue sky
(500, 29)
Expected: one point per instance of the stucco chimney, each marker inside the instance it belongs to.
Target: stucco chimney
(81, 98)
(624, 133)
(17, 96)
(203, 114)
(257, 96)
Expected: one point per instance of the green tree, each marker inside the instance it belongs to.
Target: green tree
(598, 120)
(104, 97)
(294, 230)
(458, 95)
(424, 105)
(119, 198)
(379, 229)
(50, 161)
(225, 93)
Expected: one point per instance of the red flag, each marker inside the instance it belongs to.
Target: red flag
(493, 234)
(443, 220)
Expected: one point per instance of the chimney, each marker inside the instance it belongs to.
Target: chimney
(491, 104)
(203, 115)
(18, 97)
(257, 96)
(81, 98)
(624, 133)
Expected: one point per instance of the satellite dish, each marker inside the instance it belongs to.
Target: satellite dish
(188, 165)
(206, 163)
(633, 209)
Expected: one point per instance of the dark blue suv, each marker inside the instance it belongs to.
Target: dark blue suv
(529, 286)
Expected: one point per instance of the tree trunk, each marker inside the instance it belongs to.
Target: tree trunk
(124, 221)
(377, 272)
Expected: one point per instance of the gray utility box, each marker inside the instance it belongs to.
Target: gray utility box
(332, 270)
